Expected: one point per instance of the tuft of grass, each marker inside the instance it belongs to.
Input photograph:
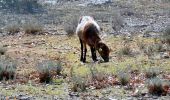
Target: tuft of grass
(12, 29)
(78, 84)
(47, 69)
(166, 36)
(96, 75)
(7, 68)
(155, 86)
(70, 25)
(2, 50)
(141, 44)
(33, 28)
(151, 72)
(124, 78)
(126, 50)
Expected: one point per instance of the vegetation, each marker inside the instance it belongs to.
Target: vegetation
(7, 68)
(21, 6)
(124, 77)
(2, 50)
(12, 29)
(166, 36)
(71, 24)
(47, 69)
(151, 72)
(33, 28)
(156, 87)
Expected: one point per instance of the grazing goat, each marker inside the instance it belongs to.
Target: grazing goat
(88, 33)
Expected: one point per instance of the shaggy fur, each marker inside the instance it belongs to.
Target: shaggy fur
(87, 31)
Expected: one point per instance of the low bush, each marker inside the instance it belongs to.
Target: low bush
(71, 24)
(12, 29)
(2, 50)
(155, 86)
(151, 72)
(7, 68)
(47, 69)
(166, 36)
(33, 28)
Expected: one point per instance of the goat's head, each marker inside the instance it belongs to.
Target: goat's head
(103, 51)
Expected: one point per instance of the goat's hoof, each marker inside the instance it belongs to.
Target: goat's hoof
(82, 63)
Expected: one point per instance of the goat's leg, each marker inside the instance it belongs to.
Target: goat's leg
(81, 58)
(93, 52)
(85, 50)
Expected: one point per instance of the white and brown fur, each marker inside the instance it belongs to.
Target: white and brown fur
(88, 32)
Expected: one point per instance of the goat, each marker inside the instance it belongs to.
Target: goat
(88, 33)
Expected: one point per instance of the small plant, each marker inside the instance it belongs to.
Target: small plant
(48, 69)
(78, 84)
(155, 86)
(96, 75)
(98, 79)
(33, 28)
(2, 50)
(70, 25)
(126, 50)
(140, 44)
(7, 68)
(12, 29)
(166, 36)
(151, 72)
(149, 50)
(124, 78)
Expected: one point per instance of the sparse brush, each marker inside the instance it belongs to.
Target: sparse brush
(78, 84)
(140, 44)
(2, 50)
(124, 78)
(151, 72)
(149, 50)
(47, 69)
(70, 25)
(33, 28)
(12, 29)
(117, 22)
(158, 47)
(156, 87)
(96, 75)
(126, 50)
(7, 68)
(166, 36)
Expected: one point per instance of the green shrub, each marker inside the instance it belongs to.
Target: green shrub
(71, 24)
(21, 6)
(126, 50)
(12, 29)
(78, 84)
(2, 50)
(7, 68)
(33, 28)
(155, 86)
(96, 75)
(47, 69)
(123, 78)
(166, 36)
(151, 72)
